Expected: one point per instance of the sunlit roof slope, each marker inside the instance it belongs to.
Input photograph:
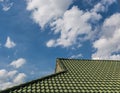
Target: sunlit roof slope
(76, 76)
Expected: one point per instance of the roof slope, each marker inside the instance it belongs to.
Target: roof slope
(76, 76)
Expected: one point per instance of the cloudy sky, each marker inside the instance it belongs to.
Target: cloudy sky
(33, 33)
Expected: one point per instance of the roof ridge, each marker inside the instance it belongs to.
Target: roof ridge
(87, 59)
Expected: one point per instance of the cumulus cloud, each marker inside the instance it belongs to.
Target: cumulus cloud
(43, 11)
(75, 25)
(18, 63)
(4, 74)
(71, 26)
(9, 43)
(108, 45)
(10, 78)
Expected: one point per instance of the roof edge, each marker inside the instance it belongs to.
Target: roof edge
(33, 81)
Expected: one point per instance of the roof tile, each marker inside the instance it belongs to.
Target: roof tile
(76, 76)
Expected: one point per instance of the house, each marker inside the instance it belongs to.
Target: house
(75, 76)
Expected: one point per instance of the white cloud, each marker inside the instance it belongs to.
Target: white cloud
(108, 45)
(103, 5)
(9, 43)
(99, 8)
(43, 11)
(10, 78)
(6, 85)
(6, 75)
(7, 7)
(50, 43)
(12, 73)
(2, 75)
(19, 78)
(108, 2)
(76, 56)
(18, 63)
(89, 2)
(76, 25)
(6, 4)
(72, 26)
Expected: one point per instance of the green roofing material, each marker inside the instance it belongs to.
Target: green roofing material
(76, 76)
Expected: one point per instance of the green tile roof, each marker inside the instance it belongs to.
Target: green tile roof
(76, 76)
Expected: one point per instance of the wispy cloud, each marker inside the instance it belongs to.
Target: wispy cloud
(7, 7)
(9, 43)
(50, 43)
(77, 56)
(18, 63)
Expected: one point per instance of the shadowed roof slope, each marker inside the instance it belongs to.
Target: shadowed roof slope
(76, 76)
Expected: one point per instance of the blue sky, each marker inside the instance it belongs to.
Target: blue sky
(33, 33)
